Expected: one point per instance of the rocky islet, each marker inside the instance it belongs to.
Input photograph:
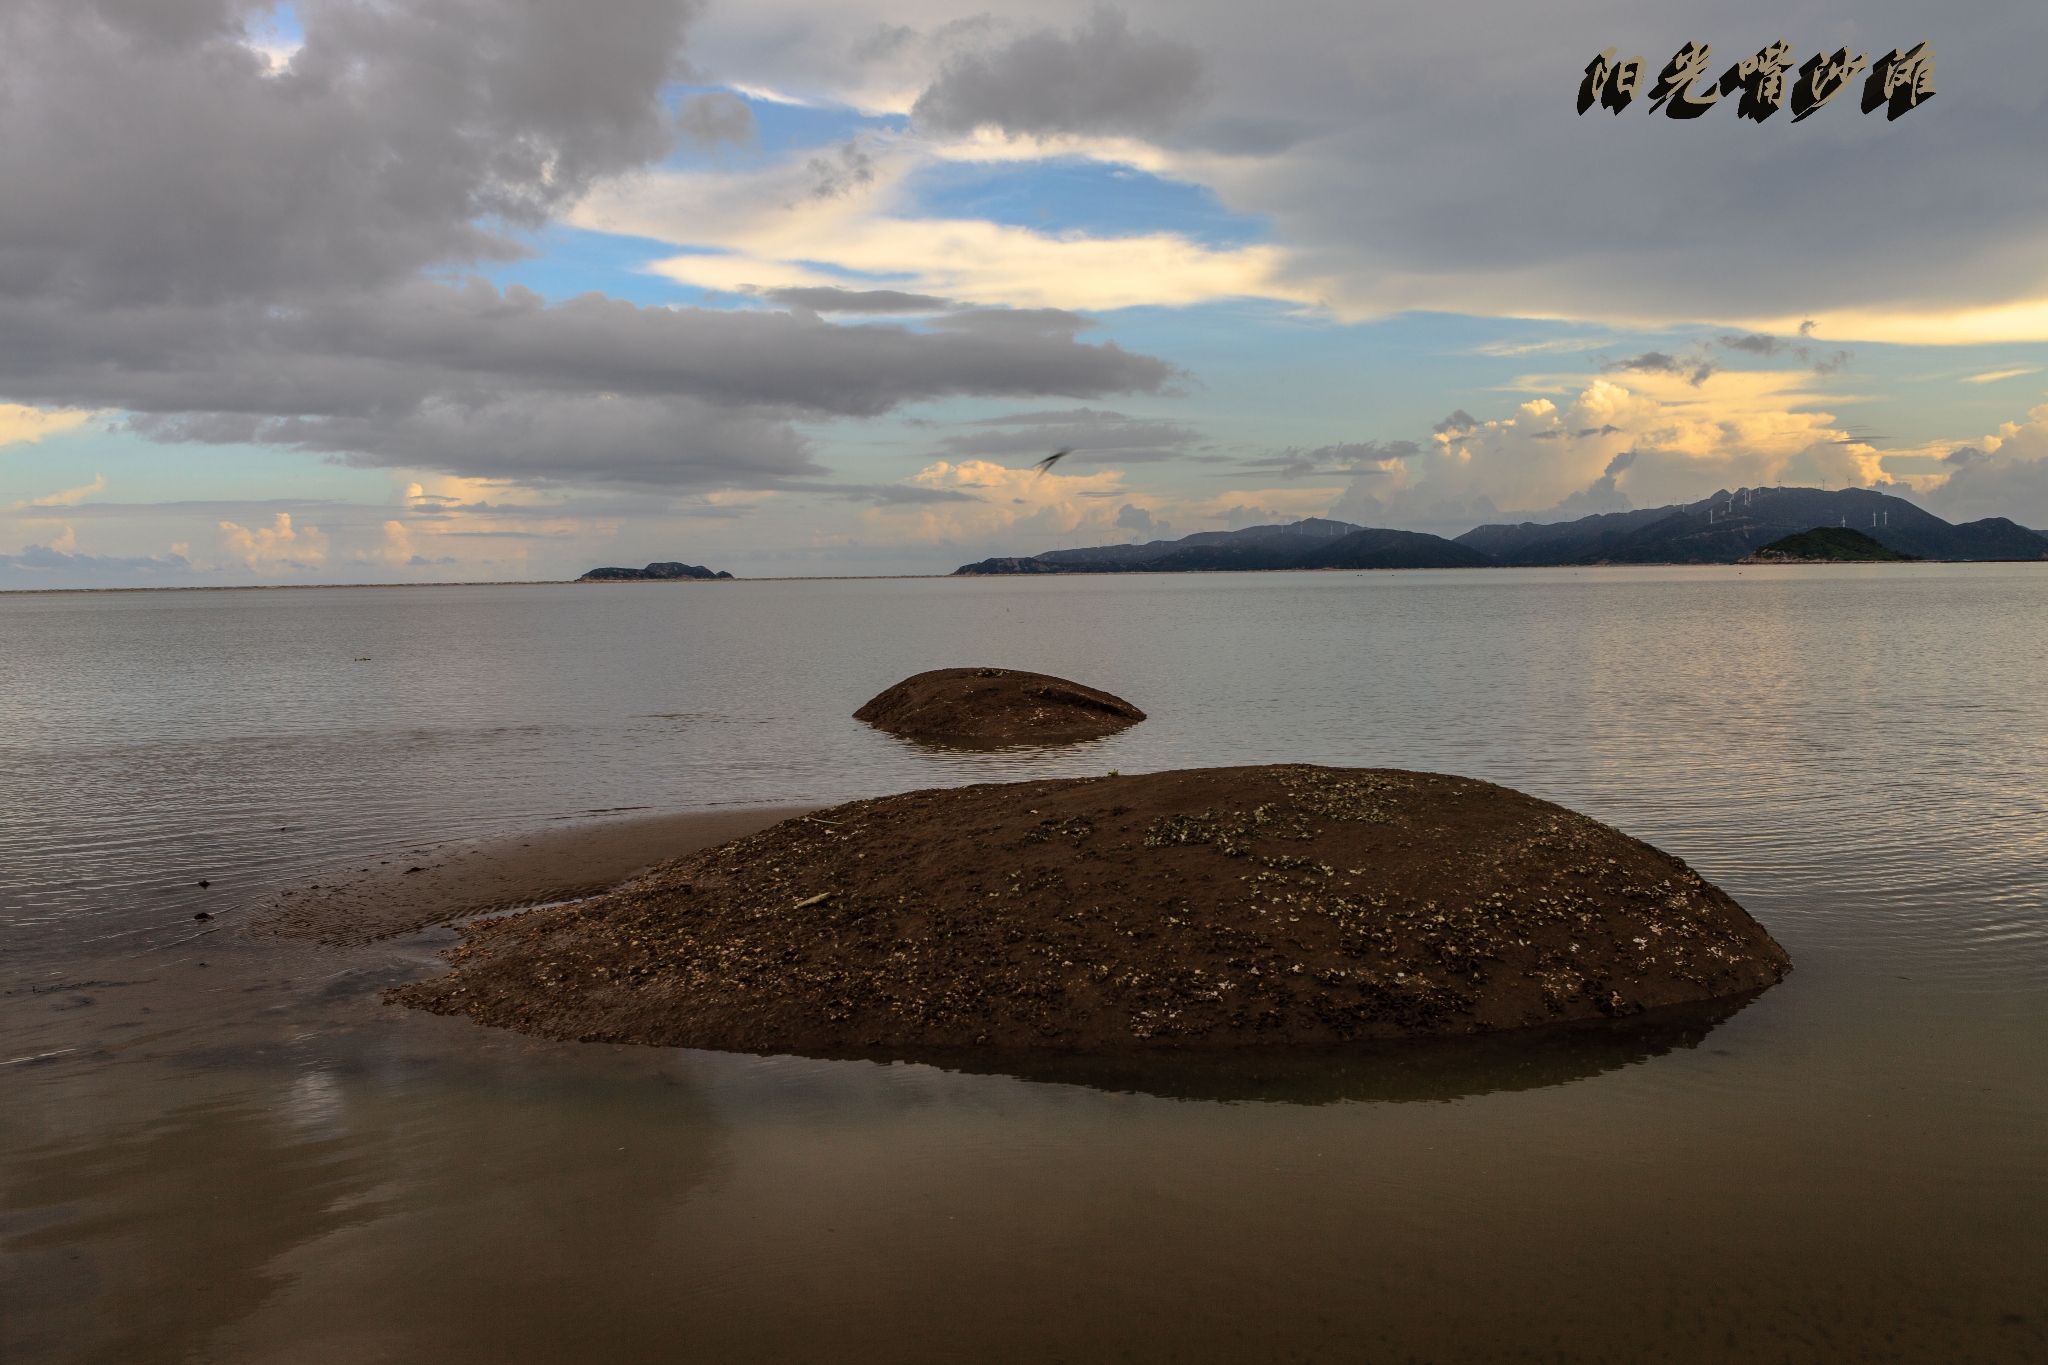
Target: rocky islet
(1277, 906)
(996, 706)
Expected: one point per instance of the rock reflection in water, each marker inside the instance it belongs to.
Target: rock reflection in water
(1429, 1069)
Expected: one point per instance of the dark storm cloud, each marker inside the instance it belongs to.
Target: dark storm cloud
(1457, 424)
(1100, 79)
(235, 253)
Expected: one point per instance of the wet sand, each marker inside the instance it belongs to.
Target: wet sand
(425, 884)
(334, 937)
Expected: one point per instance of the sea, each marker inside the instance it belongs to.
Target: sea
(254, 1159)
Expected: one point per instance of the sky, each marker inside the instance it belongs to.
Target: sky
(347, 291)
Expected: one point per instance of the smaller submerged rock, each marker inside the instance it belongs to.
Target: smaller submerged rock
(996, 706)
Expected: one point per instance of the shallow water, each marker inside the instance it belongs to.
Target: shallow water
(252, 1159)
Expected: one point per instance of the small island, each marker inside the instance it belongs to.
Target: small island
(1828, 545)
(996, 706)
(653, 573)
(1213, 908)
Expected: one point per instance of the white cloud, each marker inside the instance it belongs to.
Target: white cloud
(1005, 504)
(1958, 323)
(1655, 439)
(276, 546)
(805, 222)
(20, 423)
(70, 497)
(2001, 475)
(1994, 376)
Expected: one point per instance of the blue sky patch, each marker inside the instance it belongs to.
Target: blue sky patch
(1075, 195)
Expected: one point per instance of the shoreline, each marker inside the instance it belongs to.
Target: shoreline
(979, 578)
(423, 885)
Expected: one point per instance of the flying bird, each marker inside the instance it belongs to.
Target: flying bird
(1049, 461)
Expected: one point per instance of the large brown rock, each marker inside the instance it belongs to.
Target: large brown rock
(1211, 908)
(996, 706)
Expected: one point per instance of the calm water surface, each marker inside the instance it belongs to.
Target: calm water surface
(253, 1160)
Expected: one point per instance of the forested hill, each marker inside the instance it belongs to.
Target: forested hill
(1719, 530)
(1727, 526)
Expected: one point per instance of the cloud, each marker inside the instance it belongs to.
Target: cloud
(71, 497)
(1098, 79)
(481, 383)
(841, 173)
(1994, 376)
(1762, 344)
(1267, 511)
(1358, 459)
(717, 118)
(832, 299)
(278, 545)
(1131, 517)
(1093, 437)
(1603, 495)
(19, 423)
(56, 564)
(1657, 438)
(1550, 346)
(823, 240)
(1697, 371)
(894, 494)
(1020, 507)
(397, 132)
(396, 546)
(2000, 475)
(1394, 186)
(234, 253)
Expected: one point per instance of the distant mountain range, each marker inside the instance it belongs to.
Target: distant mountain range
(1719, 530)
